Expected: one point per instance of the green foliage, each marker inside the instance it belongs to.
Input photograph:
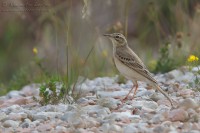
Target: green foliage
(165, 63)
(52, 92)
(196, 80)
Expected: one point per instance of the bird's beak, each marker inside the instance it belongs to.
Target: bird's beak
(107, 35)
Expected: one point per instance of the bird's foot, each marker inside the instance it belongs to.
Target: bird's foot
(118, 107)
(122, 102)
(124, 99)
(132, 97)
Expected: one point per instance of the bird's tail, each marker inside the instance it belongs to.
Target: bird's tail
(164, 93)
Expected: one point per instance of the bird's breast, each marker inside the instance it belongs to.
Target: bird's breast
(123, 69)
(128, 72)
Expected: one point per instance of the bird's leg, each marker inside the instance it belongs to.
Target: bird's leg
(123, 100)
(136, 87)
(128, 94)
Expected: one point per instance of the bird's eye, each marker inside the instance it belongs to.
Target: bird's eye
(117, 37)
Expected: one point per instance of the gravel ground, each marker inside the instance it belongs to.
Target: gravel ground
(95, 111)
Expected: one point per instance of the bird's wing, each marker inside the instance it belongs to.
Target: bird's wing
(128, 59)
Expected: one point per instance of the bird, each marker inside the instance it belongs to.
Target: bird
(131, 66)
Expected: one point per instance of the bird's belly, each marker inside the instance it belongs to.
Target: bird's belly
(128, 72)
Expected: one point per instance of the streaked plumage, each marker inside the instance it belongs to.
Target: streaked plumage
(130, 65)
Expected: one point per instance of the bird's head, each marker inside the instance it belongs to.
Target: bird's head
(117, 39)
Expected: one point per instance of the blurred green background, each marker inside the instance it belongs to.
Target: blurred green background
(68, 37)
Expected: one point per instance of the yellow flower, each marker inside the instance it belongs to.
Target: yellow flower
(104, 53)
(35, 51)
(192, 58)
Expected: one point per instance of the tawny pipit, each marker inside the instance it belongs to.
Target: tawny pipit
(130, 65)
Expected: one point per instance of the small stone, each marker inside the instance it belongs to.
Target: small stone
(14, 101)
(17, 116)
(61, 108)
(91, 122)
(142, 127)
(96, 111)
(30, 90)
(46, 115)
(156, 96)
(34, 132)
(23, 130)
(193, 115)
(145, 104)
(44, 127)
(164, 102)
(25, 125)
(3, 116)
(196, 69)
(111, 103)
(196, 126)
(158, 118)
(194, 131)
(35, 123)
(82, 101)
(27, 120)
(161, 129)
(188, 103)
(11, 123)
(115, 128)
(174, 74)
(119, 116)
(166, 123)
(60, 129)
(39, 117)
(130, 129)
(186, 77)
(144, 93)
(12, 108)
(106, 127)
(103, 94)
(186, 93)
(69, 116)
(74, 118)
(13, 94)
(178, 115)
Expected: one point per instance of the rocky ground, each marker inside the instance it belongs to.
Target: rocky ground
(95, 111)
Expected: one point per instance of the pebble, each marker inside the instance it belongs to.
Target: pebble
(3, 116)
(14, 101)
(174, 74)
(130, 129)
(13, 94)
(110, 103)
(106, 128)
(185, 93)
(178, 115)
(30, 90)
(188, 103)
(161, 129)
(145, 104)
(96, 108)
(144, 93)
(103, 94)
(11, 123)
(158, 118)
(60, 129)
